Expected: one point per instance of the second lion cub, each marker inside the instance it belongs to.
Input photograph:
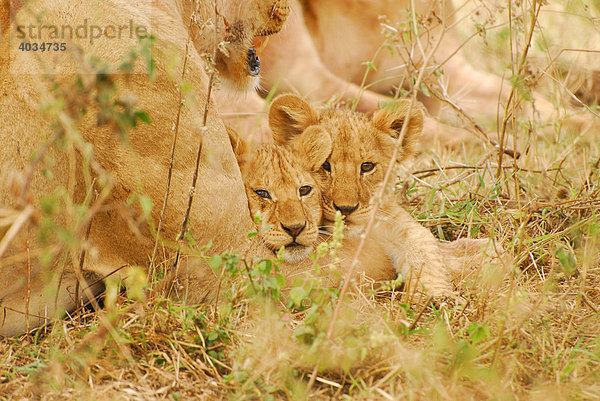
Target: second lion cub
(349, 178)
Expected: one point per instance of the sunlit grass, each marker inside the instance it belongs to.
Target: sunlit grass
(526, 329)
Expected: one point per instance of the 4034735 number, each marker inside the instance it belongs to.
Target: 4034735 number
(42, 47)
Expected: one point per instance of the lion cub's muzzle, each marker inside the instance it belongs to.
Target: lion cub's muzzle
(294, 230)
(297, 240)
(297, 244)
(355, 217)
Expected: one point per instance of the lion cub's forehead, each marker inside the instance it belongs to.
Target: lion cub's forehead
(353, 134)
(274, 167)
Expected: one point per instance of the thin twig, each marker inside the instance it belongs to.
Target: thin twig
(28, 295)
(437, 169)
(198, 154)
(510, 102)
(169, 175)
(414, 323)
(14, 229)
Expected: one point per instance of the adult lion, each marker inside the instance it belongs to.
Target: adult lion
(321, 53)
(34, 167)
(326, 46)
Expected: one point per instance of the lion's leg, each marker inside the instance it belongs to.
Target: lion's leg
(435, 131)
(414, 251)
(291, 63)
(467, 256)
(48, 299)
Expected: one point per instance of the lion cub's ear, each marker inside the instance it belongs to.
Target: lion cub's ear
(391, 120)
(312, 148)
(241, 148)
(289, 116)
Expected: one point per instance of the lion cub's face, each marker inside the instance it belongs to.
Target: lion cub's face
(284, 195)
(360, 154)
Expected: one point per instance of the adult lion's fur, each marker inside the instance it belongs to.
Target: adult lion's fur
(325, 53)
(131, 168)
(301, 59)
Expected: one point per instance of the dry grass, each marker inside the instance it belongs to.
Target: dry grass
(530, 333)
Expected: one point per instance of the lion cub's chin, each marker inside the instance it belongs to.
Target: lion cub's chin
(354, 230)
(296, 254)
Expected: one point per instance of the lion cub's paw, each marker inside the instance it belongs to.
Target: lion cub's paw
(466, 255)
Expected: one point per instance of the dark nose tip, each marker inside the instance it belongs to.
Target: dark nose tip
(294, 230)
(253, 62)
(345, 210)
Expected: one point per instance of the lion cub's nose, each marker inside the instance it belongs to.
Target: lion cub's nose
(345, 210)
(294, 230)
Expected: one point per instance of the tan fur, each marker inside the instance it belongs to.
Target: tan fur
(295, 60)
(292, 63)
(272, 170)
(357, 139)
(276, 170)
(321, 53)
(219, 208)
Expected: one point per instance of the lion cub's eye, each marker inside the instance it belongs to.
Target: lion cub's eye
(326, 166)
(305, 190)
(263, 194)
(366, 167)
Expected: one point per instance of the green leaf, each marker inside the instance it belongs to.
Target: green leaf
(142, 115)
(390, 48)
(265, 266)
(136, 283)
(298, 294)
(370, 65)
(280, 280)
(270, 282)
(189, 238)
(479, 332)
(215, 262)
(566, 259)
(146, 204)
(304, 333)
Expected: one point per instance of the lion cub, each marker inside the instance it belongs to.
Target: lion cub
(288, 200)
(349, 177)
